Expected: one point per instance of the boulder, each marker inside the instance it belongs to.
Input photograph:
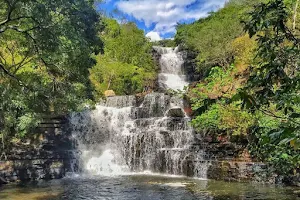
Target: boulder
(109, 93)
(175, 112)
(2, 181)
(297, 192)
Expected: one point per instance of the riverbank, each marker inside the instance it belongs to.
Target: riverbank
(48, 154)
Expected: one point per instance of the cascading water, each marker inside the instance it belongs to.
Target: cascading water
(121, 137)
(171, 63)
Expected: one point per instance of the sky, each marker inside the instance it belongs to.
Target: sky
(158, 18)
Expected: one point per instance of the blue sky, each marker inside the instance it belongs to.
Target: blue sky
(158, 18)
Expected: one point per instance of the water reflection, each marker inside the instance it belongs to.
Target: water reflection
(143, 188)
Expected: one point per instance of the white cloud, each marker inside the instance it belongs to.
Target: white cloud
(165, 14)
(154, 36)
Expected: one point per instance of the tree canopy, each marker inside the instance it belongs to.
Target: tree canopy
(45, 54)
(126, 65)
(211, 37)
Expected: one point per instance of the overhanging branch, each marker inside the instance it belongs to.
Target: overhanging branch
(8, 73)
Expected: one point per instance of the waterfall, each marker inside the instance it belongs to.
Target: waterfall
(171, 74)
(123, 135)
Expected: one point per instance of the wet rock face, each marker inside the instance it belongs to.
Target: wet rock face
(239, 171)
(27, 170)
(119, 101)
(49, 156)
(155, 135)
(175, 112)
(190, 66)
(35, 169)
(2, 181)
(171, 74)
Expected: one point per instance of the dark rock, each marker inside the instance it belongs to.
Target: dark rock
(190, 66)
(175, 112)
(120, 101)
(297, 192)
(2, 181)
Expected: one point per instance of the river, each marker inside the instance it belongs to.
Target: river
(143, 187)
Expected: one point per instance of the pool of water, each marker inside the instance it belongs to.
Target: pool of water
(143, 187)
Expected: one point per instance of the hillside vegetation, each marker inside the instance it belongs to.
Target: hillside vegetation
(126, 66)
(248, 53)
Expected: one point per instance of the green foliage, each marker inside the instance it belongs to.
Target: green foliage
(265, 146)
(165, 43)
(244, 49)
(225, 118)
(276, 79)
(126, 66)
(209, 100)
(128, 44)
(210, 119)
(120, 77)
(259, 94)
(211, 37)
(26, 123)
(273, 87)
(45, 54)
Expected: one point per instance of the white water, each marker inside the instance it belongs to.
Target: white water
(105, 165)
(171, 75)
(120, 137)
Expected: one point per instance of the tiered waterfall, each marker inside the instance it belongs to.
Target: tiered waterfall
(125, 134)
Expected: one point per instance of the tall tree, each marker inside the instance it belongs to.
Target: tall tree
(60, 35)
(126, 66)
(45, 54)
(276, 80)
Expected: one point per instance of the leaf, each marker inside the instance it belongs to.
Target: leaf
(276, 135)
(285, 141)
(284, 156)
(295, 144)
(295, 115)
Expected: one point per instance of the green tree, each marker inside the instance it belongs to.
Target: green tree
(127, 65)
(272, 91)
(45, 53)
(210, 101)
(276, 79)
(211, 37)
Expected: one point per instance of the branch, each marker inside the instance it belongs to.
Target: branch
(11, 7)
(9, 74)
(14, 19)
(11, 53)
(3, 59)
(37, 50)
(19, 81)
(22, 63)
(269, 113)
(295, 15)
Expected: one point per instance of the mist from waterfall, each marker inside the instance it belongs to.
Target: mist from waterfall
(125, 135)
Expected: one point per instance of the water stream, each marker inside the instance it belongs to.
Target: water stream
(141, 187)
(171, 74)
(126, 135)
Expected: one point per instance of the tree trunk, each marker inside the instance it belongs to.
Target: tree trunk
(295, 15)
(109, 82)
